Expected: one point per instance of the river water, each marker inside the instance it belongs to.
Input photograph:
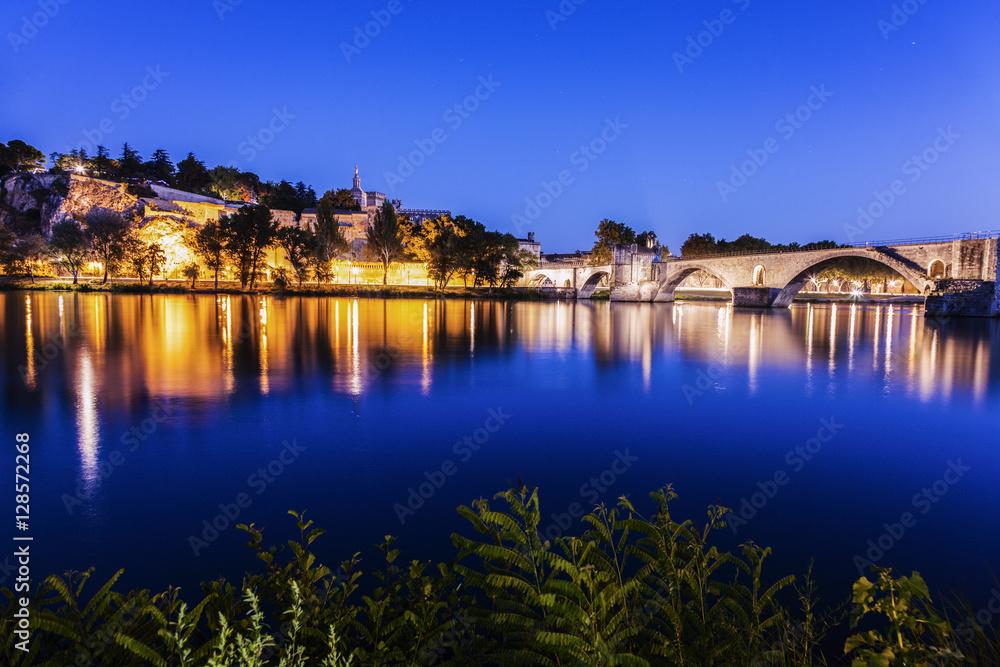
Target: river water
(824, 426)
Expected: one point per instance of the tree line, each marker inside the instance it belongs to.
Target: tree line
(190, 175)
(705, 245)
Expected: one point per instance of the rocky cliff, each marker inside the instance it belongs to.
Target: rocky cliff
(35, 202)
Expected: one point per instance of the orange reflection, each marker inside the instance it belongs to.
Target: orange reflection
(206, 346)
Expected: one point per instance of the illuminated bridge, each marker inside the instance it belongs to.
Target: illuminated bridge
(957, 274)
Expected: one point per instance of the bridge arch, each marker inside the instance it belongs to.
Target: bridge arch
(586, 290)
(539, 279)
(801, 277)
(670, 284)
(758, 276)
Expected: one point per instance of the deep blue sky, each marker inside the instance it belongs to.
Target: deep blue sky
(558, 87)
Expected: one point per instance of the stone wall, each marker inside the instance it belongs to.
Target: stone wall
(285, 218)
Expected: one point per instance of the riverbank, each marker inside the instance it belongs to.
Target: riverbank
(329, 290)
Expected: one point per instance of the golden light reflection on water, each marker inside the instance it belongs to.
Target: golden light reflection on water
(210, 347)
(29, 343)
(86, 418)
(265, 385)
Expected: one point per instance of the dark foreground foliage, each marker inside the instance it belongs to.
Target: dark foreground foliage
(633, 590)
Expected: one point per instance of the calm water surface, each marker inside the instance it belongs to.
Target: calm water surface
(153, 411)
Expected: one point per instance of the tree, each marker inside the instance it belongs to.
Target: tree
(410, 235)
(210, 244)
(698, 245)
(512, 271)
(7, 240)
(107, 232)
(145, 257)
(281, 197)
(439, 246)
(101, 165)
(26, 252)
(344, 200)
(249, 232)
(226, 183)
(297, 244)
(328, 239)
(69, 246)
(231, 184)
(328, 226)
(319, 261)
(192, 175)
(745, 243)
(130, 163)
(135, 255)
(384, 238)
(306, 195)
(472, 245)
(191, 271)
(492, 253)
(159, 167)
(609, 232)
(76, 160)
(19, 156)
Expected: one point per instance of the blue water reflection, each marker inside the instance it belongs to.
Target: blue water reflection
(152, 417)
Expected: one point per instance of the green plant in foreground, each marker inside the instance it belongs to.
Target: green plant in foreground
(632, 590)
(912, 625)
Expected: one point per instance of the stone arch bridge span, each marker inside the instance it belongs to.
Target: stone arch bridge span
(957, 274)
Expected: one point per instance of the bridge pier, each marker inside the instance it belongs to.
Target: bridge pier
(963, 298)
(755, 297)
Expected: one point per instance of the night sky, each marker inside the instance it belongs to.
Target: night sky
(587, 109)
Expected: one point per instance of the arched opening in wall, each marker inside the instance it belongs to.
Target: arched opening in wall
(594, 283)
(702, 280)
(696, 284)
(541, 280)
(852, 277)
(936, 269)
(567, 283)
(758, 276)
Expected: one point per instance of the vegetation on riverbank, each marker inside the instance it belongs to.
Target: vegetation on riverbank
(633, 590)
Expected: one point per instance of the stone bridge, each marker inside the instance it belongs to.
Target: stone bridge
(955, 273)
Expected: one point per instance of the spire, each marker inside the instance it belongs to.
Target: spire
(357, 179)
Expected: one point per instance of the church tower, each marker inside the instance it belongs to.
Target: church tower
(356, 191)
